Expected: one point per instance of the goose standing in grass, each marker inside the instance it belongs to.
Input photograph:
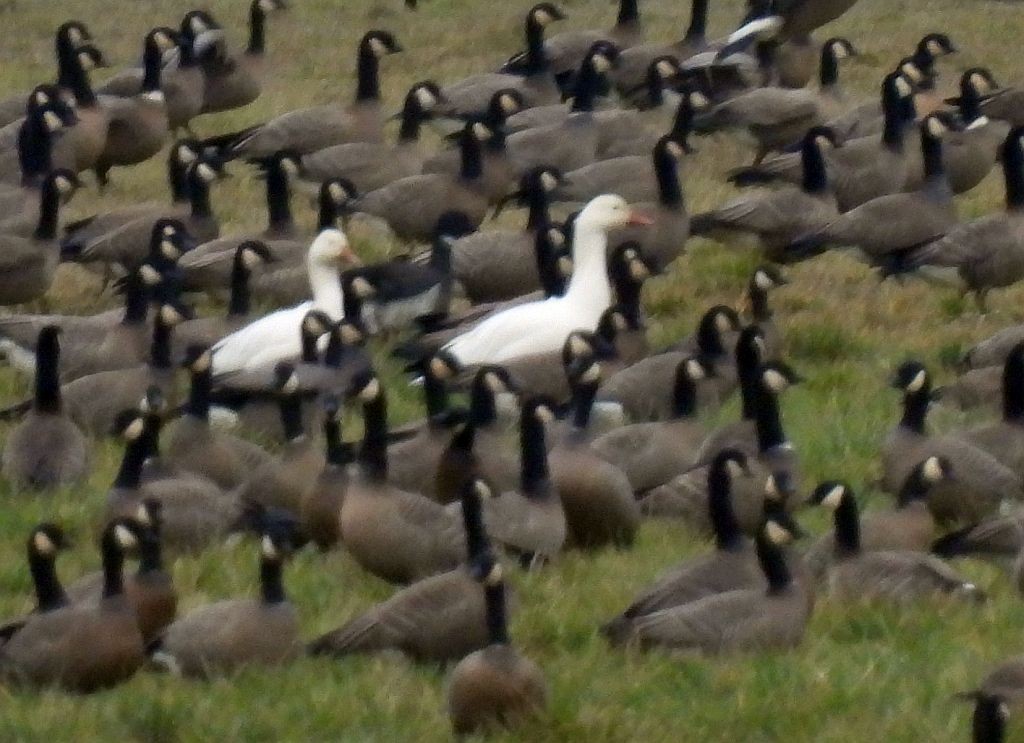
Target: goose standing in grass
(495, 686)
(440, 618)
(746, 619)
(310, 129)
(46, 449)
(82, 648)
(536, 84)
(543, 326)
(220, 638)
(276, 336)
(901, 576)
(44, 543)
(981, 484)
(988, 252)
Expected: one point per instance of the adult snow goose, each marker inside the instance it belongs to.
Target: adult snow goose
(276, 337)
(541, 326)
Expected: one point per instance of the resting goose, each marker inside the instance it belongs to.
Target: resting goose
(543, 326)
(633, 177)
(276, 336)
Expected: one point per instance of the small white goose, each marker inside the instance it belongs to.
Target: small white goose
(543, 326)
(277, 336)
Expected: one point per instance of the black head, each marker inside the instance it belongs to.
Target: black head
(504, 103)
(197, 358)
(603, 55)
(364, 386)
(911, 377)
(978, 79)
(628, 261)
(196, 22)
(47, 539)
(543, 14)
(823, 136)
(777, 376)
(379, 43)
(935, 45)
(494, 378)
(150, 514)
(540, 407)
(74, 33)
(338, 191)
(285, 380)
(731, 461)
(933, 470)
(453, 225)
(251, 253)
(91, 57)
(316, 323)
(121, 536)
(169, 240)
(840, 47)
(829, 494)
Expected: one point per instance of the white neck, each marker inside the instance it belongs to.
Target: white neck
(326, 286)
(589, 288)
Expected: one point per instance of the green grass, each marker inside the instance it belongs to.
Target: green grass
(862, 673)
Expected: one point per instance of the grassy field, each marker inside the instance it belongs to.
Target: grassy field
(862, 673)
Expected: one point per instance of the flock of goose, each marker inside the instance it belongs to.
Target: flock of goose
(574, 429)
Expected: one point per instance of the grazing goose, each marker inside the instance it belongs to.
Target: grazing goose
(28, 263)
(46, 449)
(908, 527)
(633, 177)
(138, 127)
(191, 445)
(886, 227)
(371, 165)
(320, 509)
(311, 129)
(644, 389)
(565, 51)
(220, 638)
(438, 619)
(543, 326)
(537, 84)
(731, 565)
(899, 576)
(988, 252)
(235, 80)
(276, 336)
(600, 509)
(860, 170)
(651, 454)
(777, 217)
(495, 686)
(777, 117)
(411, 206)
(746, 619)
(150, 591)
(1004, 439)
(981, 484)
(44, 543)
(121, 237)
(82, 648)
(398, 536)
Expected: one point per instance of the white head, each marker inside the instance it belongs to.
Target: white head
(605, 213)
(329, 248)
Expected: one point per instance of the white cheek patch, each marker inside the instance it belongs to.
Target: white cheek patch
(694, 369)
(698, 100)
(675, 149)
(439, 369)
(601, 63)
(134, 429)
(266, 6)
(903, 87)
(763, 281)
(289, 166)
(371, 391)
(934, 48)
(291, 386)
(935, 127)
(592, 375)
(548, 181)
(775, 381)
(776, 534)
(350, 336)
(425, 98)
(565, 266)
(481, 131)
(734, 469)
(149, 275)
(124, 537)
(840, 51)
(578, 345)
(202, 363)
(52, 121)
(250, 258)
(268, 548)
(185, 155)
(978, 123)
(378, 47)
(170, 315)
(495, 576)
(168, 250)
(43, 544)
(665, 68)
(556, 237)
(206, 172)
(545, 414)
(918, 381)
(932, 469)
(834, 497)
(362, 288)
(482, 490)
(338, 193)
(722, 323)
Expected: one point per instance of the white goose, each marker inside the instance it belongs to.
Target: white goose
(543, 326)
(277, 336)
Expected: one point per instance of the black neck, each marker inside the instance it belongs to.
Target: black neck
(892, 109)
(970, 102)
(412, 120)
(931, 150)
(482, 406)
(435, 396)
(368, 71)
(49, 592)
(72, 76)
(151, 436)
(537, 203)
(915, 408)
(709, 340)
(373, 454)
(35, 149)
(987, 723)
(697, 29)
(583, 394)
(271, 585)
(748, 362)
(199, 195)
(441, 255)
(915, 488)
(682, 124)
(113, 567)
(815, 178)
(670, 191)
(130, 473)
(310, 353)
(328, 213)
(47, 394)
(628, 292)
(136, 301)
(497, 626)
(473, 522)
(1013, 388)
(290, 409)
(759, 308)
(588, 83)
(152, 59)
(723, 519)
(177, 178)
(847, 527)
(49, 209)
(773, 564)
(536, 58)
(198, 405)
(533, 454)
(767, 420)
(1013, 174)
(629, 12)
(160, 348)
(240, 302)
(151, 559)
(257, 29)
(828, 72)
(471, 155)
(278, 202)
(339, 452)
(684, 394)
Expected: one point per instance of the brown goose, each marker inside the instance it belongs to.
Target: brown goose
(220, 638)
(437, 619)
(899, 576)
(310, 129)
(46, 449)
(82, 648)
(495, 686)
(745, 619)
(42, 547)
(981, 482)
